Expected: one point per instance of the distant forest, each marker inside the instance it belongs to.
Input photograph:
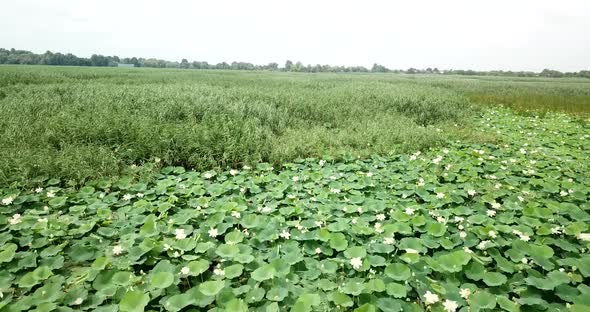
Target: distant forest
(24, 57)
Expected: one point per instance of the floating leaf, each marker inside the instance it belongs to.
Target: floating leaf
(494, 278)
(134, 301)
(482, 300)
(398, 271)
(161, 280)
(338, 241)
(211, 288)
(263, 273)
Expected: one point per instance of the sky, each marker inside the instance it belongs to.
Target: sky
(452, 34)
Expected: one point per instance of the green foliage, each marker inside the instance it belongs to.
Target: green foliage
(480, 226)
(84, 123)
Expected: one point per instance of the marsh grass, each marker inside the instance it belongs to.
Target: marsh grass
(79, 123)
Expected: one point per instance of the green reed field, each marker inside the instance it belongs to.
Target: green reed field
(179, 190)
(79, 123)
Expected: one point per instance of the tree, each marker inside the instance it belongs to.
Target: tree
(272, 66)
(379, 68)
(298, 67)
(96, 60)
(184, 63)
(288, 65)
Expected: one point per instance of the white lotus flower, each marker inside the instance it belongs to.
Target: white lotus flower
(16, 219)
(450, 305)
(185, 270)
(409, 211)
(467, 250)
(555, 230)
(437, 160)
(525, 238)
(378, 228)
(295, 178)
(496, 205)
(563, 193)
(127, 197)
(139, 195)
(354, 220)
(180, 234)
(234, 172)
(219, 271)
(369, 174)
(8, 200)
(167, 247)
(459, 219)
(318, 250)
(491, 212)
(322, 162)
(356, 263)
(388, 240)
(524, 260)
(482, 244)
(285, 234)
(380, 217)
(492, 234)
(465, 292)
(318, 223)
(117, 250)
(413, 157)
(471, 192)
(584, 237)
(462, 234)
(460, 227)
(51, 194)
(430, 298)
(335, 191)
(78, 301)
(213, 232)
(208, 175)
(39, 190)
(236, 214)
(266, 209)
(440, 195)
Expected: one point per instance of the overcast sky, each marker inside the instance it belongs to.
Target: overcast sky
(462, 34)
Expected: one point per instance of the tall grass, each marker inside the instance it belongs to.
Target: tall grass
(84, 122)
(570, 95)
(78, 123)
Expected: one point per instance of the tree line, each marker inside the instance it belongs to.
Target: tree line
(14, 56)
